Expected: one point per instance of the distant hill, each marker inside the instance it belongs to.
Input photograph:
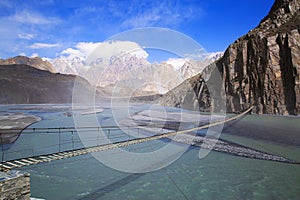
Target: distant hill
(23, 84)
(35, 62)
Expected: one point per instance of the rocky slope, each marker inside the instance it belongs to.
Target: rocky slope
(23, 84)
(35, 62)
(261, 68)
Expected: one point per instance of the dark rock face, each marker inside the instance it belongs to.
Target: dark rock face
(192, 94)
(262, 68)
(22, 84)
(36, 62)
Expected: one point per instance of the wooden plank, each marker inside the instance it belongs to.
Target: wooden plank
(34, 160)
(21, 163)
(12, 164)
(44, 158)
(30, 162)
(5, 166)
(53, 157)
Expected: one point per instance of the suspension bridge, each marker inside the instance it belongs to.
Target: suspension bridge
(75, 150)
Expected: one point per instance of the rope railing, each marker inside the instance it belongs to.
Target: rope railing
(26, 130)
(67, 141)
(75, 149)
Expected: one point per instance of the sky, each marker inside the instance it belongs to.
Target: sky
(49, 28)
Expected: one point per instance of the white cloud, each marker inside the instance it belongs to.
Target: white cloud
(81, 50)
(27, 17)
(105, 49)
(34, 55)
(163, 13)
(26, 36)
(110, 49)
(47, 59)
(143, 20)
(42, 45)
(139, 53)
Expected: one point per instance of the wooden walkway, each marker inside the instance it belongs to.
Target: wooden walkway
(12, 164)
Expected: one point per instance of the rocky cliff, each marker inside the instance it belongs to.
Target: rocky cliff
(261, 68)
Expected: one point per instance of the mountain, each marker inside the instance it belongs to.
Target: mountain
(131, 76)
(260, 69)
(75, 66)
(117, 69)
(23, 84)
(123, 73)
(192, 67)
(35, 62)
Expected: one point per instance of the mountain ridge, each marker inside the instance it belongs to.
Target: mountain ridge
(35, 62)
(24, 84)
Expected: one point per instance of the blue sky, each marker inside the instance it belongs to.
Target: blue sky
(48, 27)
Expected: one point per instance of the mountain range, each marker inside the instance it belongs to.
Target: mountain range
(126, 72)
(123, 75)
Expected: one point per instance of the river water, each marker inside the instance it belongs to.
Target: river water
(216, 176)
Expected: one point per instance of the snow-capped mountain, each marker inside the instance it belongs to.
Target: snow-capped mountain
(118, 69)
(193, 67)
(127, 71)
(213, 56)
(134, 76)
(76, 65)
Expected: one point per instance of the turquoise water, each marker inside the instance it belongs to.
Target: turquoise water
(217, 176)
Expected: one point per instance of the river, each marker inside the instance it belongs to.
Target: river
(216, 176)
